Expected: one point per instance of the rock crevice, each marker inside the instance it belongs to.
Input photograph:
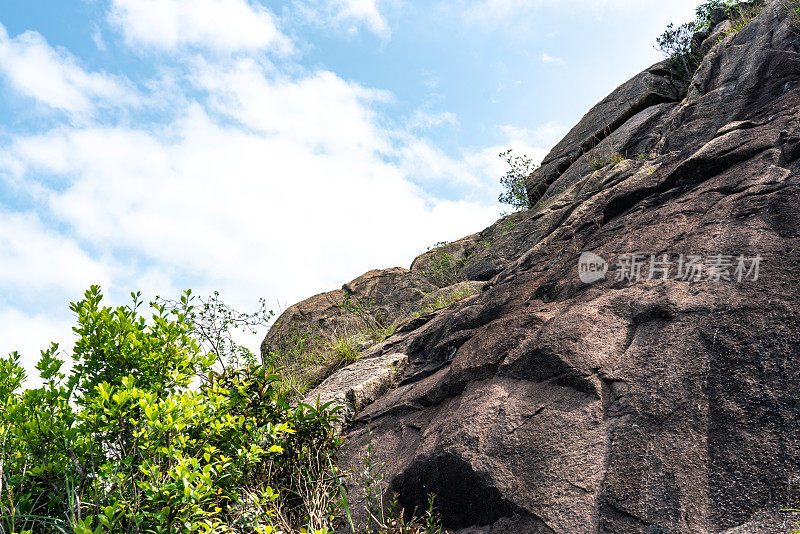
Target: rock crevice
(654, 404)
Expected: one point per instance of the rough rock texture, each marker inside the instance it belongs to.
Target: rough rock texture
(359, 384)
(544, 404)
(625, 121)
(450, 293)
(458, 251)
(390, 295)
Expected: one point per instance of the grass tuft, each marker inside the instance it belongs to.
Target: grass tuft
(743, 14)
(599, 161)
(445, 297)
(793, 9)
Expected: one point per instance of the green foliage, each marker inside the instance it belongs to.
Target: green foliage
(371, 321)
(343, 348)
(442, 267)
(432, 521)
(677, 43)
(793, 9)
(314, 357)
(445, 297)
(336, 350)
(213, 324)
(702, 20)
(290, 354)
(513, 183)
(148, 433)
(742, 15)
(165, 425)
(307, 356)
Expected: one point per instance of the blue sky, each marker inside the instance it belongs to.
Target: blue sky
(274, 149)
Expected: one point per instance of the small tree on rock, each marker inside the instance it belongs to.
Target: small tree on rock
(514, 191)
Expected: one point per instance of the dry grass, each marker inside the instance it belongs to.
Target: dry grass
(793, 9)
(317, 356)
(598, 161)
(743, 14)
(444, 297)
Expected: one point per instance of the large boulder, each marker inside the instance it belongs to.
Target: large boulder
(630, 108)
(660, 403)
(376, 297)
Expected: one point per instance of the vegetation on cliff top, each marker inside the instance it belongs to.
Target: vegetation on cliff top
(680, 44)
(513, 182)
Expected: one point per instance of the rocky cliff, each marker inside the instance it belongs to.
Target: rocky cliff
(633, 363)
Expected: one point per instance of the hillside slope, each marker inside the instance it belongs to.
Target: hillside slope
(659, 400)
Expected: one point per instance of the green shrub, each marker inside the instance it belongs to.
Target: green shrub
(513, 183)
(677, 43)
(702, 21)
(213, 324)
(742, 15)
(442, 267)
(149, 433)
(165, 425)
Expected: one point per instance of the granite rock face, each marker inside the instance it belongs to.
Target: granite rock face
(386, 295)
(665, 400)
(359, 384)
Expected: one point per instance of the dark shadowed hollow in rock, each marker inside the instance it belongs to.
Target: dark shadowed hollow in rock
(454, 482)
(663, 404)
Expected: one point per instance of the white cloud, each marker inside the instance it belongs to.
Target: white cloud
(97, 38)
(30, 334)
(346, 15)
(220, 25)
(425, 120)
(319, 109)
(36, 259)
(497, 13)
(546, 58)
(278, 187)
(426, 163)
(54, 77)
(534, 142)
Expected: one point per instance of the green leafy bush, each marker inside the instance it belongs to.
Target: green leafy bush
(677, 43)
(702, 21)
(149, 433)
(513, 183)
(442, 267)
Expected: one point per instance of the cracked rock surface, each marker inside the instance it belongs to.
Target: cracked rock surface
(545, 404)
